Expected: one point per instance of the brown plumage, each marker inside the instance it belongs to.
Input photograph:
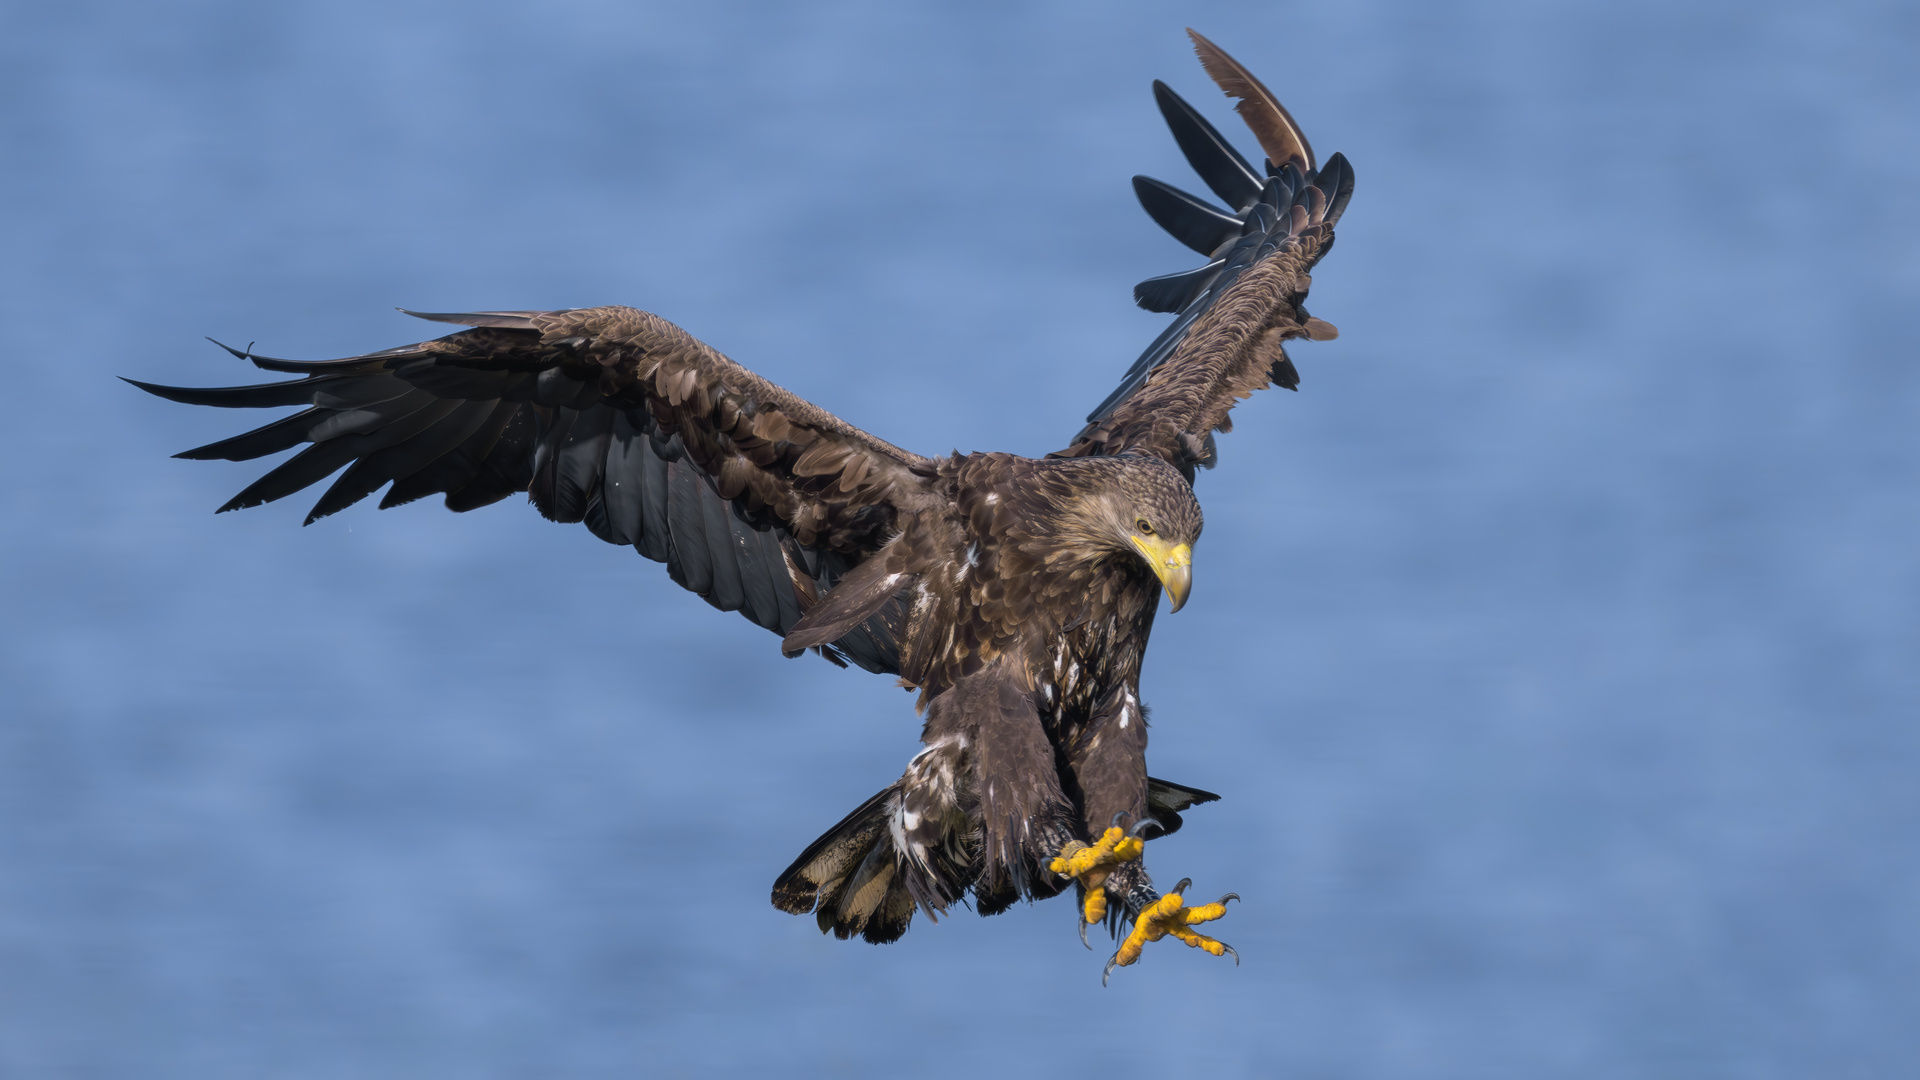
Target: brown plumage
(1015, 594)
(1269, 120)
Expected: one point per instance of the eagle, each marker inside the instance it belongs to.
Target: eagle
(1014, 594)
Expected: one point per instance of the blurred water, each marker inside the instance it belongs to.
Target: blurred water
(1554, 647)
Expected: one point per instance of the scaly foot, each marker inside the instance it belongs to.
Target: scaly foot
(1090, 864)
(1169, 915)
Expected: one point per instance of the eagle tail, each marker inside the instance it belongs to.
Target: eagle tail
(1165, 800)
(850, 878)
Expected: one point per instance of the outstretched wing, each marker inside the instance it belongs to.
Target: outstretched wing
(754, 498)
(1231, 315)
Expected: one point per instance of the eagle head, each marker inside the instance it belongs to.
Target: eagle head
(1142, 506)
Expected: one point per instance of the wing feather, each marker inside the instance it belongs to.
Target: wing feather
(319, 461)
(618, 516)
(688, 561)
(457, 467)
(377, 469)
(506, 467)
(283, 434)
(1269, 120)
(656, 539)
(728, 594)
(575, 453)
(259, 396)
(1173, 292)
(1190, 220)
(607, 416)
(756, 556)
(1226, 173)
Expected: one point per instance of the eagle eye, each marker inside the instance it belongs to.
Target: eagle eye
(1145, 529)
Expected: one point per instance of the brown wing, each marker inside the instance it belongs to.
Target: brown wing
(754, 498)
(1232, 314)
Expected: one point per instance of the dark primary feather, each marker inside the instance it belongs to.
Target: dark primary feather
(381, 467)
(330, 452)
(1336, 179)
(1172, 292)
(258, 396)
(1226, 173)
(504, 467)
(283, 434)
(1189, 220)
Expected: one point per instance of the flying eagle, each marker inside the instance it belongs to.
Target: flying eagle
(1015, 594)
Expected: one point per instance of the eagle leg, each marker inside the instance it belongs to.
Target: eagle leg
(1090, 865)
(1170, 917)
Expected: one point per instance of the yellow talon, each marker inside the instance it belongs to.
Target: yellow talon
(1090, 864)
(1096, 907)
(1170, 917)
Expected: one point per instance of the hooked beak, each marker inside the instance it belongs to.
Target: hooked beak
(1172, 564)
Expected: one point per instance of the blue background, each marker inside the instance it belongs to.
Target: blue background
(1555, 647)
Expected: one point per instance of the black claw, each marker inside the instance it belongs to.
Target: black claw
(1115, 823)
(1230, 896)
(1230, 952)
(1083, 933)
(1112, 963)
(1141, 826)
(1181, 889)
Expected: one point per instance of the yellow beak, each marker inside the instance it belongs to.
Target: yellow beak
(1172, 564)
